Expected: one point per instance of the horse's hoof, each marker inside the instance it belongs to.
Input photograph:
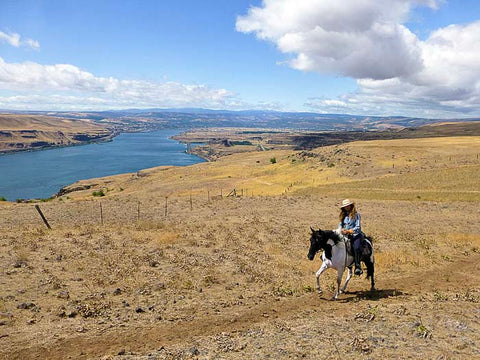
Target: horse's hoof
(319, 292)
(333, 298)
(373, 288)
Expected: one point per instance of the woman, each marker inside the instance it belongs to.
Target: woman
(350, 226)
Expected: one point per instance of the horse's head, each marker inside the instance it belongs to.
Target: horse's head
(318, 240)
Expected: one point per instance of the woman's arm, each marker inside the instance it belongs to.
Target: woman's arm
(357, 229)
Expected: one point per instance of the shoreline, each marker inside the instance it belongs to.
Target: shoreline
(110, 139)
(57, 146)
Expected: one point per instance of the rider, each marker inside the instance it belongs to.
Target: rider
(351, 227)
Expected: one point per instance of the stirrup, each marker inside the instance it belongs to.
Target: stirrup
(358, 271)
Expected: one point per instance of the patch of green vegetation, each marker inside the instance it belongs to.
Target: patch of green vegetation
(330, 165)
(3, 199)
(308, 288)
(273, 160)
(244, 142)
(422, 331)
(98, 193)
(439, 296)
(284, 291)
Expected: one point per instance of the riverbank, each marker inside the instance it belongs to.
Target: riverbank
(35, 132)
(41, 174)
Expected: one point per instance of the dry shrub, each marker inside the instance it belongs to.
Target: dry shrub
(150, 225)
(459, 239)
(391, 259)
(164, 238)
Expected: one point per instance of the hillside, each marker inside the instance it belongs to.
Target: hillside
(29, 132)
(164, 267)
(219, 142)
(152, 119)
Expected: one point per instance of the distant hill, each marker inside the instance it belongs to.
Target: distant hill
(27, 132)
(151, 119)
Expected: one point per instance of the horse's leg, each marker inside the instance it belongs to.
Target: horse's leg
(349, 276)
(371, 274)
(339, 281)
(319, 272)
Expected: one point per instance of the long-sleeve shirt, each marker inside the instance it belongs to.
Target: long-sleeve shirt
(352, 224)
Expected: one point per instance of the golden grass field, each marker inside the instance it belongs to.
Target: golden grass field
(25, 132)
(176, 271)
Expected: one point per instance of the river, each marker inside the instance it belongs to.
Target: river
(40, 174)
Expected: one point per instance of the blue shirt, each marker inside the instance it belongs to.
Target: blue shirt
(352, 224)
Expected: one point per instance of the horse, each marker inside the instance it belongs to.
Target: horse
(336, 256)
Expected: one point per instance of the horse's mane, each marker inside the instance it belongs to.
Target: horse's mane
(333, 235)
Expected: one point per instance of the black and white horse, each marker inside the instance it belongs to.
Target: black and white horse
(336, 256)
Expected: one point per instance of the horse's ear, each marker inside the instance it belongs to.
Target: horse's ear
(312, 229)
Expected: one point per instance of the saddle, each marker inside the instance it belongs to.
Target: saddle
(366, 248)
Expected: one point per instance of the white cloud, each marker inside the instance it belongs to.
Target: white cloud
(397, 73)
(73, 87)
(355, 38)
(16, 40)
(447, 86)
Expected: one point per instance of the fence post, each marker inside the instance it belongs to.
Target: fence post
(191, 202)
(138, 212)
(42, 216)
(101, 214)
(166, 206)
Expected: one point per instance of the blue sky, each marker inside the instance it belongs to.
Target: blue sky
(79, 55)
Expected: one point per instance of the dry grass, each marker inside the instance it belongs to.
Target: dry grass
(230, 278)
(20, 132)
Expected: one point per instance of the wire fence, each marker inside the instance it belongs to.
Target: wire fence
(105, 210)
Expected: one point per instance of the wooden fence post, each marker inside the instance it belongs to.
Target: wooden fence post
(43, 217)
(138, 212)
(101, 214)
(166, 206)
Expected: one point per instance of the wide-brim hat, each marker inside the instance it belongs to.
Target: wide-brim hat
(346, 202)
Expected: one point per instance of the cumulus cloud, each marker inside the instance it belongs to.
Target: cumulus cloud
(82, 89)
(355, 38)
(17, 41)
(447, 86)
(368, 41)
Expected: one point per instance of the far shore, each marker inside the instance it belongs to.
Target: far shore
(56, 146)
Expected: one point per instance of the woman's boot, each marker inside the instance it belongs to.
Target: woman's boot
(358, 267)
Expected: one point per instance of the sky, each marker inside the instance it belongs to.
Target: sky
(366, 57)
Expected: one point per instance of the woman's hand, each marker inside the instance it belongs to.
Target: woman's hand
(347, 232)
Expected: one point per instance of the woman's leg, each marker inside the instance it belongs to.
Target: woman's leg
(357, 249)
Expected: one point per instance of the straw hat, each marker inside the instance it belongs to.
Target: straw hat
(346, 202)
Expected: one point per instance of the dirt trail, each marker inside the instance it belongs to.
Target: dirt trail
(458, 274)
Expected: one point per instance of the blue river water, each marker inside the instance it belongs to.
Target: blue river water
(40, 174)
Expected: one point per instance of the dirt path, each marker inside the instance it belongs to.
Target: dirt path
(458, 274)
